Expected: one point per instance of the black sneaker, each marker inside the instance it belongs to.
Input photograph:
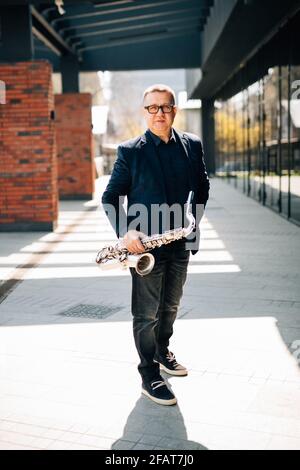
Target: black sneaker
(169, 364)
(158, 392)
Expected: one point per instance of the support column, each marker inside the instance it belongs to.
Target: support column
(69, 68)
(28, 165)
(76, 169)
(208, 134)
(16, 41)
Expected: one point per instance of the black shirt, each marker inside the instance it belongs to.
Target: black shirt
(175, 169)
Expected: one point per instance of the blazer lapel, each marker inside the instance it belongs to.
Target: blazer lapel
(187, 150)
(153, 161)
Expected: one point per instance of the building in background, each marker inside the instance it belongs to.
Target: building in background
(241, 59)
(249, 84)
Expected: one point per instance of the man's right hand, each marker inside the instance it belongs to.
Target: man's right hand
(132, 241)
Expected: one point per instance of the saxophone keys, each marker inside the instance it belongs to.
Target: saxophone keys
(123, 257)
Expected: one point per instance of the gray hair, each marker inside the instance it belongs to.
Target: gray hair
(161, 88)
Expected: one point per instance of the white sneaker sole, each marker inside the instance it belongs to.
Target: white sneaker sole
(173, 401)
(180, 372)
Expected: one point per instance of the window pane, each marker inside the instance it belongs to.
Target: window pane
(271, 109)
(295, 143)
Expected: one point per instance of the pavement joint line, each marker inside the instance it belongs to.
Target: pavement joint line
(20, 445)
(9, 284)
(37, 425)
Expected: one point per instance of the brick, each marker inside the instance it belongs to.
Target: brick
(76, 172)
(27, 130)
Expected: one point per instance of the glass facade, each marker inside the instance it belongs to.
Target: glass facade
(258, 140)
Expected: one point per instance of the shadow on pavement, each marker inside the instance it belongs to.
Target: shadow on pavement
(148, 422)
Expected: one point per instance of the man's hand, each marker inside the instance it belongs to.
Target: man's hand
(132, 241)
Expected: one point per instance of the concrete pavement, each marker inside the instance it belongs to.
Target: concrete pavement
(68, 377)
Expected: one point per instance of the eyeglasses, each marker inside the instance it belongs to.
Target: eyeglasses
(154, 108)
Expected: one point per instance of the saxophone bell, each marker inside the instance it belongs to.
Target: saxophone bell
(143, 263)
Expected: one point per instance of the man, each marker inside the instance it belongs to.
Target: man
(159, 167)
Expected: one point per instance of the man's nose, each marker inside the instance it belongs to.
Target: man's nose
(160, 111)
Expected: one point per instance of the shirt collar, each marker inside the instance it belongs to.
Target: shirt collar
(157, 140)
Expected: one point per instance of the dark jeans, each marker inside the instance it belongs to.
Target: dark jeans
(154, 303)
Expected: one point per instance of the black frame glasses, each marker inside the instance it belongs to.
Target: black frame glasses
(165, 108)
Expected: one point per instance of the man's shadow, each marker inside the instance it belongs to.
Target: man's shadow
(153, 426)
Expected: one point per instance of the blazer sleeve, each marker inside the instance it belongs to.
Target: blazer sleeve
(115, 192)
(204, 180)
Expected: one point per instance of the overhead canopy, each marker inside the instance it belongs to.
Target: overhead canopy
(120, 34)
(235, 31)
(213, 39)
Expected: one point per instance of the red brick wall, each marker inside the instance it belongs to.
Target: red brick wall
(76, 170)
(28, 165)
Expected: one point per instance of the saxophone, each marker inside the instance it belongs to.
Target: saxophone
(118, 256)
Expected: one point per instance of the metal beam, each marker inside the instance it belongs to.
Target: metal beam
(188, 22)
(175, 52)
(52, 13)
(44, 31)
(141, 5)
(177, 12)
(166, 53)
(164, 34)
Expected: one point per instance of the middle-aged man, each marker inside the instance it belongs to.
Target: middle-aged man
(158, 167)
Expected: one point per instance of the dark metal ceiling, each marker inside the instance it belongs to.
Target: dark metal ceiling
(121, 34)
(217, 37)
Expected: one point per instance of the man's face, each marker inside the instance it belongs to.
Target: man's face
(159, 123)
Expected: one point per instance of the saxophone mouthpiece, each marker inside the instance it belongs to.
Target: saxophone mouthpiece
(189, 214)
(190, 198)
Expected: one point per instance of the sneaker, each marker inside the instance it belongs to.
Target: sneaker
(158, 392)
(169, 364)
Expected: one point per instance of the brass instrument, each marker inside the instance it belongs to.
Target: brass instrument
(118, 256)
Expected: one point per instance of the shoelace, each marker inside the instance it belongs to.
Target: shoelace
(171, 358)
(159, 382)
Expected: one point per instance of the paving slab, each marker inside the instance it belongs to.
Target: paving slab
(68, 364)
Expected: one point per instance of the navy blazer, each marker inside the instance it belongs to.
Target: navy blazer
(137, 174)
